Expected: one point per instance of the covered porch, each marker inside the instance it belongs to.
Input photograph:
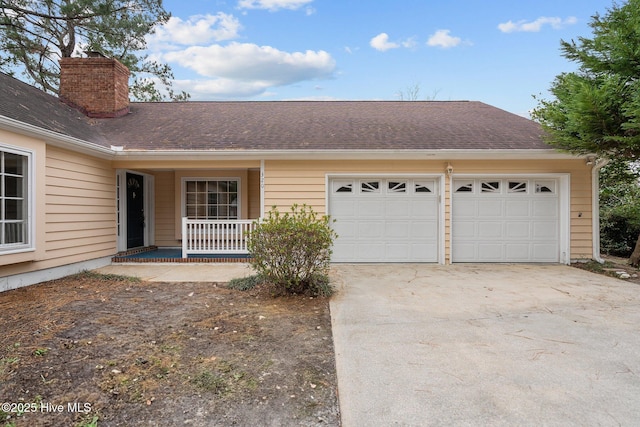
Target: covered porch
(154, 254)
(193, 213)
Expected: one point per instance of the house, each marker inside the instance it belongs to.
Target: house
(439, 182)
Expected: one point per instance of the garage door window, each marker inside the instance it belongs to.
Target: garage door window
(490, 187)
(464, 187)
(423, 187)
(548, 187)
(517, 186)
(397, 187)
(370, 187)
(343, 187)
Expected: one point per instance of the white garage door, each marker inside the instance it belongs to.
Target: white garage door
(505, 220)
(384, 219)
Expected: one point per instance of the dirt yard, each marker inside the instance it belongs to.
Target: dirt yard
(93, 350)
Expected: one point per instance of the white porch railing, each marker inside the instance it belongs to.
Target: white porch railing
(201, 236)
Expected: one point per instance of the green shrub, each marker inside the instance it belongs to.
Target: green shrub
(619, 207)
(292, 251)
(619, 229)
(246, 283)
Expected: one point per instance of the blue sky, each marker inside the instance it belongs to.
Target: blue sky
(496, 51)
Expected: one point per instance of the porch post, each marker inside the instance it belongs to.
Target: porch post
(261, 189)
(184, 237)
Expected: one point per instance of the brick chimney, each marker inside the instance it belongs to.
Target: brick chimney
(97, 86)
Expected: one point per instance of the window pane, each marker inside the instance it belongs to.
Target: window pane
(191, 198)
(13, 164)
(13, 186)
(13, 209)
(13, 233)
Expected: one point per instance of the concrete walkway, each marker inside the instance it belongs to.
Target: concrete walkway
(179, 272)
(485, 345)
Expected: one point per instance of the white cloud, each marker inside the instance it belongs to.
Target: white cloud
(441, 38)
(535, 26)
(199, 29)
(381, 42)
(244, 69)
(274, 5)
(221, 88)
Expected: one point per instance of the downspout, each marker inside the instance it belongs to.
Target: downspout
(595, 206)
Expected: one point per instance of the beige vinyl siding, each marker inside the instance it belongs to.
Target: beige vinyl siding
(75, 210)
(165, 220)
(289, 182)
(254, 193)
(581, 214)
(80, 206)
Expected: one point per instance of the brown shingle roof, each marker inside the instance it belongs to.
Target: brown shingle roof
(324, 125)
(280, 125)
(27, 104)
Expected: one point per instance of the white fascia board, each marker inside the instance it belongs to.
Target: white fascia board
(345, 154)
(55, 138)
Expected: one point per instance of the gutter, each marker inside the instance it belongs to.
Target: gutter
(342, 154)
(595, 205)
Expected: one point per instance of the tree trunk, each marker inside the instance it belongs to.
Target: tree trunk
(635, 256)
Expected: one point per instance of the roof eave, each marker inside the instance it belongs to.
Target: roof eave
(89, 148)
(504, 154)
(55, 138)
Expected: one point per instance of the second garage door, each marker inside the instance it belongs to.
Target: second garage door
(505, 220)
(384, 219)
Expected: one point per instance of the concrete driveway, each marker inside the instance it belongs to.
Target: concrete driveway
(499, 345)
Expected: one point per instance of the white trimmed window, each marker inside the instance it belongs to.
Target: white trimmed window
(15, 226)
(212, 198)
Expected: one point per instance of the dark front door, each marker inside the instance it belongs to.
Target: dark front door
(135, 210)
